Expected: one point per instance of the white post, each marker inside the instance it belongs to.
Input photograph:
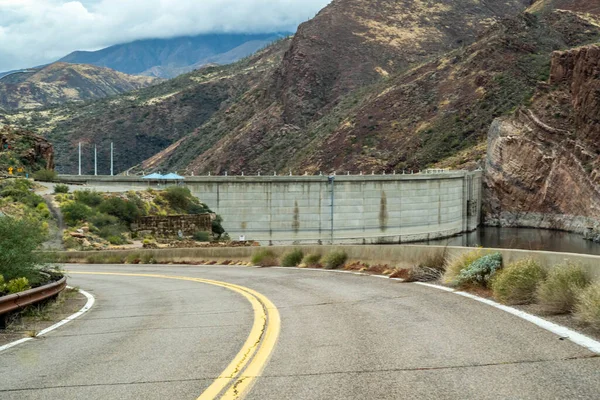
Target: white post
(79, 158)
(95, 160)
(112, 171)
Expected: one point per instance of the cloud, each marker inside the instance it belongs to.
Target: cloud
(34, 32)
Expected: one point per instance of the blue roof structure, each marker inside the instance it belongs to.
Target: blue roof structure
(173, 177)
(153, 176)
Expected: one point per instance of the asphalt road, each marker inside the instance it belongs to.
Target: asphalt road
(342, 337)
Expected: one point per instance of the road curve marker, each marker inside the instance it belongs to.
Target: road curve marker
(241, 374)
(84, 309)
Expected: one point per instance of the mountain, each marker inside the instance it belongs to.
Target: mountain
(144, 122)
(404, 85)
(167, 58)
(61, 82)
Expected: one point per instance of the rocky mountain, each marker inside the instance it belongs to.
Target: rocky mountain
(168, 58)
(143, 123)
(22, 149)
(543, 162)
(61, 82)
(403, 85)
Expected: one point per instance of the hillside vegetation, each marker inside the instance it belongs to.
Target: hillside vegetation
(60, 83)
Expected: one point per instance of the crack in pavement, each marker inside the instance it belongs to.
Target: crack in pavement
(575, 358)
(144, 329)
(483, 365)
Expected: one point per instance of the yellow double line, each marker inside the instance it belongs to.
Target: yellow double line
(247, 366)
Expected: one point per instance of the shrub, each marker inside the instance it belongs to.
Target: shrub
(18, 240)
(126, 211)
(335, 260)
(292, 259)
(89, 197)
(45, 175)
(116, 240)
(202, 236)
(311, 260)
(480, 272)
(179, 198)
(101, 220)
(17, 285)
(587, 308)
(75, 213)
(60, 188)
(198, 209)
(518, 282)
(559, 292)
(43, 210)
(217, 228)
(457, 264)
(108, 231)
(265, 258)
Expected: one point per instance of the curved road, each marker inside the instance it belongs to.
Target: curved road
(342, 337)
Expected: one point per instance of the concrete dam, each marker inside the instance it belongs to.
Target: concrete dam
(366, 209)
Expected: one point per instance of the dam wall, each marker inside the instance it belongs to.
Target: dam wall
(368, 209)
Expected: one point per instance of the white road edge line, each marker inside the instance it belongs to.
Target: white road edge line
(90, 302)
(564, 332)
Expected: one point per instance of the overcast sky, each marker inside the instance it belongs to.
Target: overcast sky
(34, 32)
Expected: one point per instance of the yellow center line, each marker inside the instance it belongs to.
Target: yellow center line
(247, 366)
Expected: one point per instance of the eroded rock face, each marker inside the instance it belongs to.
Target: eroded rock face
(543, 164)
(26, 149)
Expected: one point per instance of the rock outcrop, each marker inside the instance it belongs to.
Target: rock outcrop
(22, 149)
(543, 164)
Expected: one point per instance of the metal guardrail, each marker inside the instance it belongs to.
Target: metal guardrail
(18, 301)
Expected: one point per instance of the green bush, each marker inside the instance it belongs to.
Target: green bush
(457, 264)
(116, 230)
(311, 260)
(335, 260)
(587, 308)
(480, 272)
(101, 220)
(116, 240)
(89, 197)
(179, 198)
(60, 188)
(217, 228)
(17, 285)
(19, 238)
(202, 236)
(74, 213)
(265, 258)
(125, 210)
(43, 210)
(558, 293)
(518, 282)
(45, 175)
(293, 258)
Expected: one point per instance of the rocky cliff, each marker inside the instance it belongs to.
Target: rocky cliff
(543, 164)
(22, 149)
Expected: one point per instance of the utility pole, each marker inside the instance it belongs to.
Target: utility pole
(95, 160)
(112, 171)
(79, 158)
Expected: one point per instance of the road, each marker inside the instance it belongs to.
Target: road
(342, 337)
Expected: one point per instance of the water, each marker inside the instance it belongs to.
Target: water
(523, 238)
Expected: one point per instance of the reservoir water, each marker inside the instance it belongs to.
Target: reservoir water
(522, 238)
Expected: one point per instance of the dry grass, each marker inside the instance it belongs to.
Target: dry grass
(558, 294)
(587, 308)
(265, 258)
(518, 282)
